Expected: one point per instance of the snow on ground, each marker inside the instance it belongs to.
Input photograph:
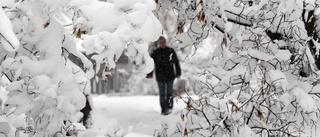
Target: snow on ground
(140, 115)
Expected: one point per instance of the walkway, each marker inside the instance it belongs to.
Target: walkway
(137, 114)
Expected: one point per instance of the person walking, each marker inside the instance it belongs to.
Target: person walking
(167, 68)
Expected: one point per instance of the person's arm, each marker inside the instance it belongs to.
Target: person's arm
(177, 64)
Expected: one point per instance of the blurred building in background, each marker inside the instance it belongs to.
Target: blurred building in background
(115, 83)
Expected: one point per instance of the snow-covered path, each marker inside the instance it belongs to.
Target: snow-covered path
(138, 114)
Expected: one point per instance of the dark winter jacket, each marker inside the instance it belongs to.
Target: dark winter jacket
(167, 65)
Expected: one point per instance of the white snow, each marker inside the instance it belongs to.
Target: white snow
(8, 39)
(139, 14)
(137, 135)
(125, 3)
(283, 55)
(35, 45)
(228, 27)
(128, 25)
(311, 2)
(138, 114)
(7, 3)
(277, 78)
(285, 99)
(306, 101)
(5, 128)
(98, 20)
(259, 55)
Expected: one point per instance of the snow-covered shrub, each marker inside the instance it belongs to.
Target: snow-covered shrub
(263, 77)
(36, 40)
(128, 26)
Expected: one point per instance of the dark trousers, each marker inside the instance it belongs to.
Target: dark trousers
(166, 97)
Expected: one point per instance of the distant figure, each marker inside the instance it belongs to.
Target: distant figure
(167, 68)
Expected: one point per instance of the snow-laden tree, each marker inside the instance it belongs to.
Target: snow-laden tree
(263, 79)
(37, 37)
